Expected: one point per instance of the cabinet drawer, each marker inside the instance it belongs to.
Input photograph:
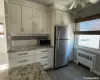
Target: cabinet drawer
(20, 54)
(51, 63)
(21, 61)
(46, 50)
(47, 64)
(41, 57)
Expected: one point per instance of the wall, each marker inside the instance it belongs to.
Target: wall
(91, 51)
(89, 11)
(3, 46)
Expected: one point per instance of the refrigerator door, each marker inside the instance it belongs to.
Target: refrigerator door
(61, 53)
(61, 32)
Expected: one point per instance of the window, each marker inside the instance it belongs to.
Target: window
(92, 25)
(91, 41)
(87, 35)
(1, 30)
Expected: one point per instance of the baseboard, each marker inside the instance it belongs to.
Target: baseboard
(75, 61)
(96, 72)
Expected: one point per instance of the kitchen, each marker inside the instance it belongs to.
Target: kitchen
(29, 35)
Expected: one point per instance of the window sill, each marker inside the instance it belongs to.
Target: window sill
(92, 50)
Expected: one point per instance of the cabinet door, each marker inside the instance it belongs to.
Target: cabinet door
(65, 19)
(15, 18)
(46, 22)
(27, 20)
(59, 17)
(37, 21)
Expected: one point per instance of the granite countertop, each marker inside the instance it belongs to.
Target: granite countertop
(26, 72)
(25, 48)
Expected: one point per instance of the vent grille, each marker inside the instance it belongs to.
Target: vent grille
(85, 56)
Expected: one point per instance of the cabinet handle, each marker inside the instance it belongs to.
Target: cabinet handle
(23, 54)
(45, 51)
(23, 29)
(43, 30)
(44, 64)
(22, 61)
(44, 57)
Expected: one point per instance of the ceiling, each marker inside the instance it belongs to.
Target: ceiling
(66, 3)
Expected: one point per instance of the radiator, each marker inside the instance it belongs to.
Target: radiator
(86, 59)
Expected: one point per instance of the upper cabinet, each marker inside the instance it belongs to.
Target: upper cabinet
(41, 21)
(46, 22)
(37, 21)
(14, 16)
(61, 18)
(27, 16)
(58, 17)
(65, 19)
(29, 20)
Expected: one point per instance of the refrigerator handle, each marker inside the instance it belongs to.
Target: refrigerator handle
(58, 39)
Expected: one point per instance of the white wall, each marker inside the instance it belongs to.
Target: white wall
(89, 11)
(3, 46)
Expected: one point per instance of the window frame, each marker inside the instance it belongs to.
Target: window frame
(76, 33)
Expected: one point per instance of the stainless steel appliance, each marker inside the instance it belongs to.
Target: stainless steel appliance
(44, 42)
(62, 45)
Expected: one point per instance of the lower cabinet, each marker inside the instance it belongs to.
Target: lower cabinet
(21, 58)
(44, 56)
(20, 61)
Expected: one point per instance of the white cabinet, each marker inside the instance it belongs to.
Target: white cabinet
(23, 19)
(20, 54)
(21, 58)
(21, 61)
(37, 21)
(14, 14)
(45, 57)
(46, 22)
(41, 22)
(58, 17)
(27, 17)
(61, 18)
(65, 19)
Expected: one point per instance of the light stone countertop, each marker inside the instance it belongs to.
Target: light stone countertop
(26, 48)
(26, 72)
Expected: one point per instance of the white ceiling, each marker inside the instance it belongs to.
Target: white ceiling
(59, 2)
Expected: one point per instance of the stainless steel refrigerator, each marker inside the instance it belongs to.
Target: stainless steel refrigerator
(62, 47)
